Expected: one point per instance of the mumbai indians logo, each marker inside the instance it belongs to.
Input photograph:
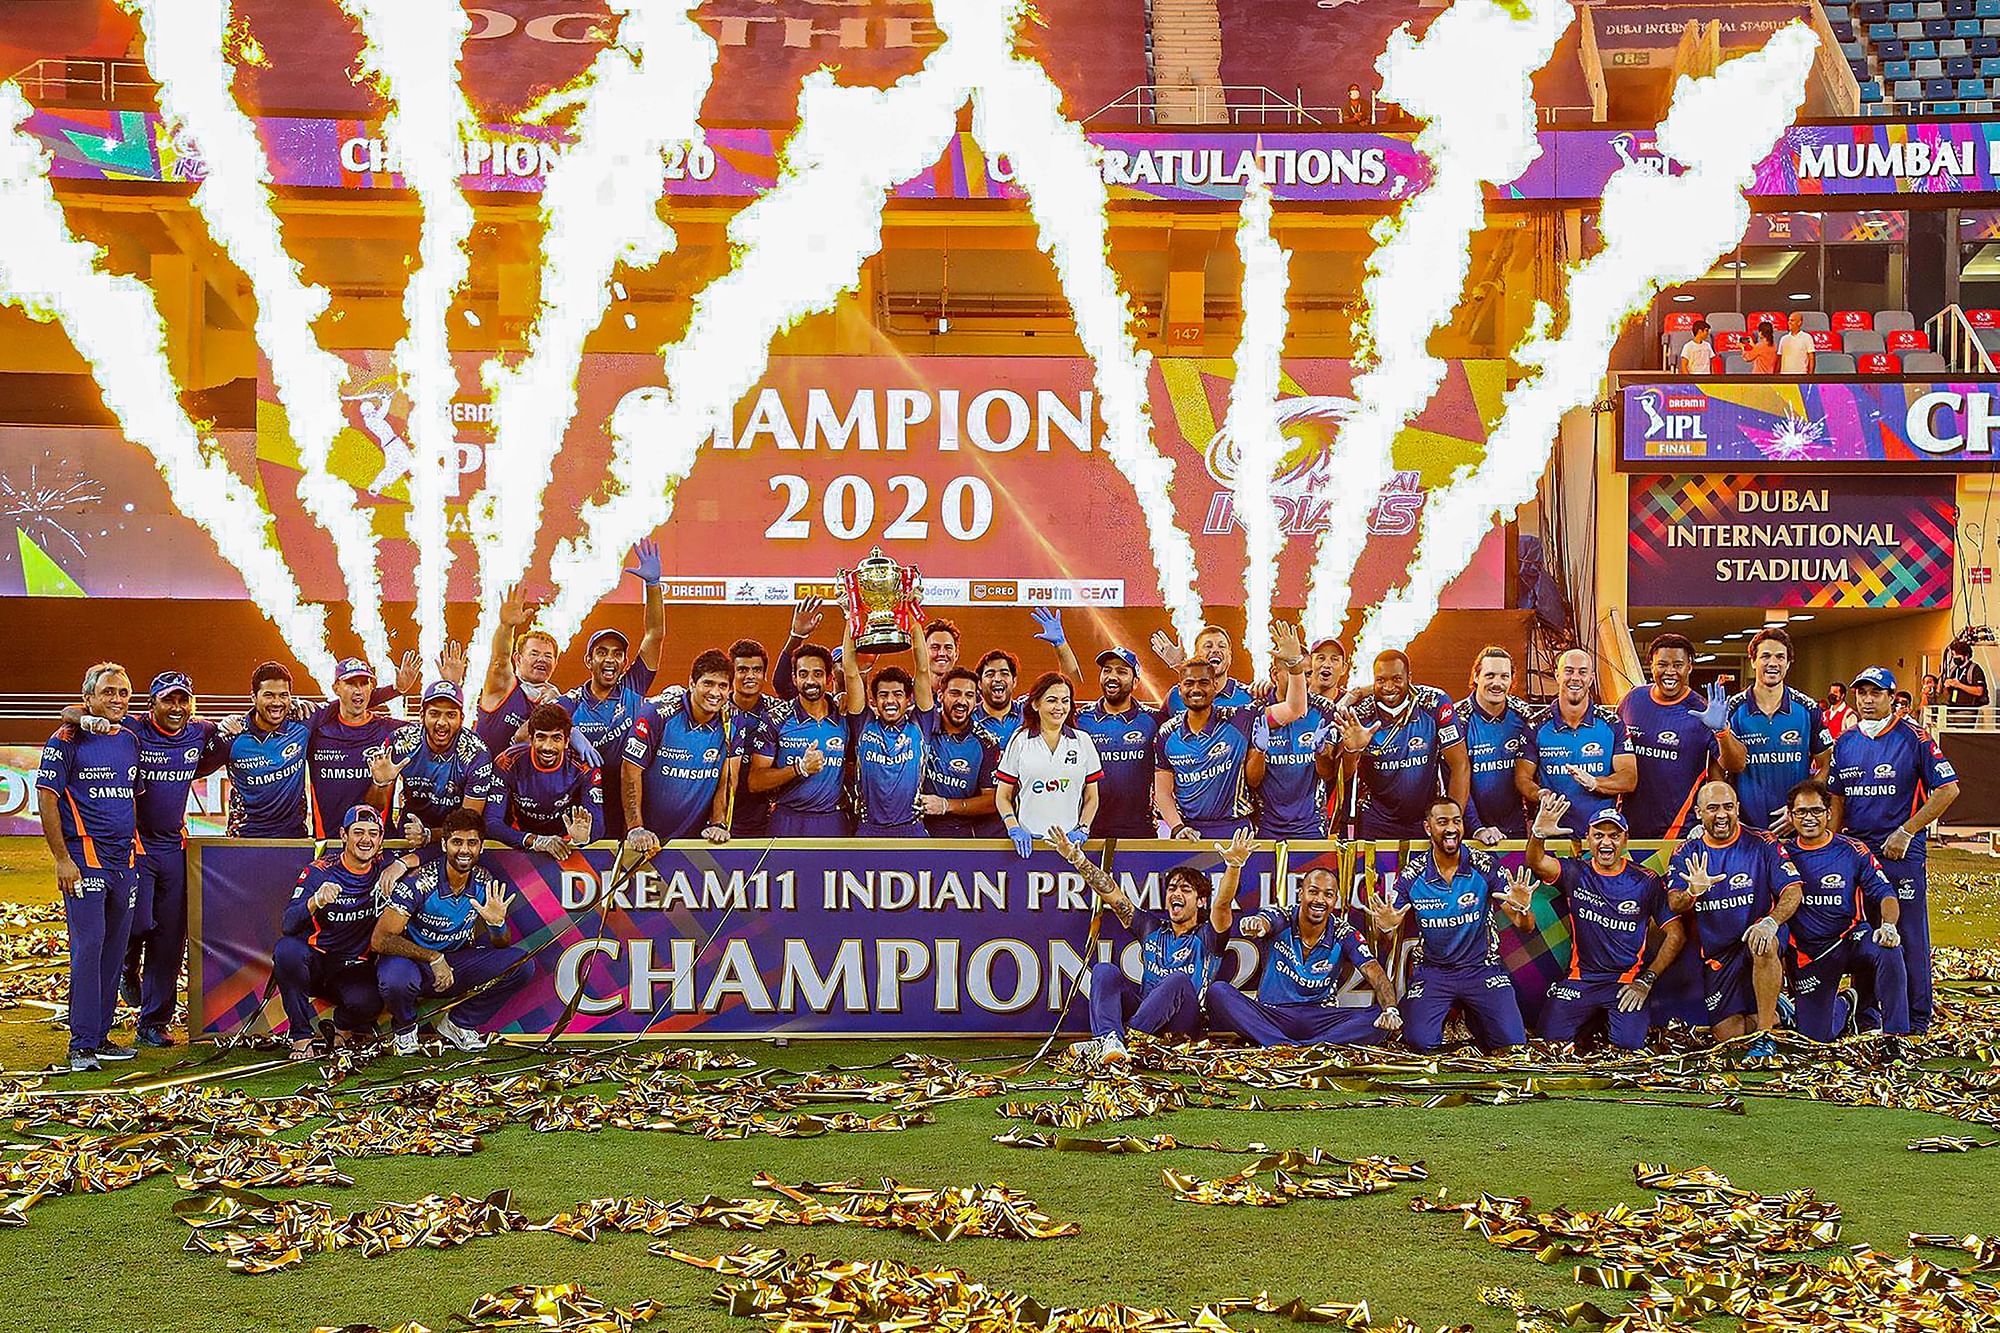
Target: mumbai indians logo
(1304, 487)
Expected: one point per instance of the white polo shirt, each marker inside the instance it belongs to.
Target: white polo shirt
(1795, 353)
(1048, 785)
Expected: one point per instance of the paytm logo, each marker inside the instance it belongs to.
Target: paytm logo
(1966, 424)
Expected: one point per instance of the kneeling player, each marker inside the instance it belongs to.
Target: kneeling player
(1178, 953)
(323, 953)
(1610, 902)
(425, 942)
(1302, 976)
(1831, 937)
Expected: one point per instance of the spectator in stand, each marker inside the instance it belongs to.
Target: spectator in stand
(682, 758)
(1200, 752)
(1783, 735)
(1681, 739)
(1496, 726)
(1839, 715)
(1355, 110)
(1796, 350)
(323, 953)
(1403, 745)
(798, 753)
(1698, 353)
(1903, 704)
(1577, 748)
(1047, 779)
(1762, 349)
(1962, 678)
(544, 798)
(957, 796)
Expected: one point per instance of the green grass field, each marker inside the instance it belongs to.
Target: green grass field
(115, 1261)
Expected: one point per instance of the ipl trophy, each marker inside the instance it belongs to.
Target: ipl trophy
(883, 603)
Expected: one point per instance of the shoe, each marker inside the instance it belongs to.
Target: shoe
(1788, 1013)
(1112, 1051)
(1762, 1051)
(111, 1050)
(128, 989)
(406, 1042)
(154, 1037)
(465, 1039)
(1086, 1052)
(1893, 1051)
(83, 1062)
(303, 1050)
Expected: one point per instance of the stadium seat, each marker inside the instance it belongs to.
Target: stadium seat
(1987, 9)
(1836, 12)
(1677, 321)
(1855, 52)
(1965, 28)
(1923, 363)
(1886, 320)
(1906, 340)
(1989, 66)
(1992, 26)
(1733, 363)
(1816, 320)
(1871, 91)
(1960, 67)
(1731, 340)
(1833, 363)
(1960, 9)
(1951, 53)
(1890, 49)
(1843, 320)
(1726, 321)
(1778, 319)
(1971, 89)
(1983, 108)
(1859, 69)
(1937, 29)
(1843, 33)
(1861, 340)
(1990, 339)
(1937, 90)
(1946, 108)
(1898, 10)
(1873, 10)
(1985, 48)
(1882, 34)
(1908, 90)
(1881, 110)
(1930, 9)
(1895, 71)
(1824, 340)
(1983, 319)
(1922, 50)
(1929, 69)
(1877, 363)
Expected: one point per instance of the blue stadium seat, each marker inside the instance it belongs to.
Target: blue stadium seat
(1946, 108)
(1937, 89)
(1900, 10)
(1874, 11)
(1860, 70)
(1985, 46)
(1871, 91)
(1882, 109)
(1922, 50)
(1896, 70)
(1989, 68)
(1907, 90)
(1987, 9)
(1843, 31)
(1960, 67)
(1971, 89)
(1836, 12)
(1937, 28)
(1882, 32)
(1930, 69)
(1891, 49)
(1965, 28)
(1960, 9)
(1979, 108)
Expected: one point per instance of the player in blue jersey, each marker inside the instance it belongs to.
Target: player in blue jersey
(1453, 889)
(87, 795)
(435, 936)
(1403, 746)
(442, 767)
(1782, 732)
(682, 759)
(1212, 643)
(885, 744)
(1289, 768)
(751, 707)
(1741, 889)
(544, 798)
(1496, 726)
(1681, 740)
(607, 703)
(1890, 783)
(1178, 953)
(958, 793)
(1201, 751)
(1298, 993)
(800, 754)
(1120, 727)
(344, 733)
(323, 953)
(519, 666)
(1832, 936)
(1577, 748)
(266, 757)
(1612, 904)
(999, 714)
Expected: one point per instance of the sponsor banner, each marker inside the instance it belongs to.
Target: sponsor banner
(1828, 541)
(986, 473)
(1873, 158)
(821, 939)
(1773, 424)
(20, 816)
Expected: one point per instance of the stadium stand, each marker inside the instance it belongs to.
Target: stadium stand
(1866, 342)
(1936, 57)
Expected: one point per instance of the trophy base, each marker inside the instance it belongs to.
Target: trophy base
(883, 641)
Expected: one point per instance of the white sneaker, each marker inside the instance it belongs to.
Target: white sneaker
(405, 1043)
(465, 1039)
(1111, 1051)
(1087, 1052)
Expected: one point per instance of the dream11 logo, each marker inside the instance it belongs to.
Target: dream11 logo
(1303, 489)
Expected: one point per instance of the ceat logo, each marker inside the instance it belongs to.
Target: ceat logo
(1670, 738)
(1885, 770)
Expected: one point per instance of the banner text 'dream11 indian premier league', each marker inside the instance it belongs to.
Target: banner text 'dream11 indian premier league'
(828, 939)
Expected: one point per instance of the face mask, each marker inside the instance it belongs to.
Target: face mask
(1873, 729)
(1400, 711)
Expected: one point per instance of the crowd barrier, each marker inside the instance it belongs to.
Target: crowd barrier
(846, 938)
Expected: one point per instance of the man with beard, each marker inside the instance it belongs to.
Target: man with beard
(1831, 937)
(958, 792)
(1679, 740)
(544, 798)
(681, 761)
(1610, 903)
(1297, 995)
(1453, 889)
(1403, 745)
(1783, 734)
(1178, 953)
(1576, 748)
(1838, 712)
(886, 745)
(1496, 728)
(441, 765)
(1200, 752)
(1120, 727)
(342, 734)
(266, 758)
(750, 712)
(799, 754)
(427, 941)
(1890, 783)
(1213, 644)
(1000, 713)
(323, 953)
(606, 705)
(1741, 889)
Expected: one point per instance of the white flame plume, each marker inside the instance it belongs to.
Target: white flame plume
(1253, 418)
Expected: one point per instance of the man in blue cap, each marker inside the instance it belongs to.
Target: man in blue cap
(1121, 727)
(442, 766)
(345, 732)
(323, 953)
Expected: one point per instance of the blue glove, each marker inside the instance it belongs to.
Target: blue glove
(1024, 841)
(1048, 623)
(647, 553)
(1079, 835)
(1716, 716)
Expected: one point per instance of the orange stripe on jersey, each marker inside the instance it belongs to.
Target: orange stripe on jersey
(1575, 951)
(1676, 827)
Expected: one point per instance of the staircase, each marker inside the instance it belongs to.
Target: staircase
(1187, 63)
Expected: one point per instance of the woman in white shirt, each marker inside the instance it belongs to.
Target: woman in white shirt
(1049, 770)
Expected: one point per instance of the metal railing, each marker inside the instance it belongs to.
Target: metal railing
(1939, 719)
(1206, 104)
(87, 81)
(1954, 339)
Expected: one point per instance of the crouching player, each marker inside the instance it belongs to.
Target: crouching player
(1611, 903)
(1302, 976)
(1831, 937)
(425, 937)
(323, 953)
(1178, 952)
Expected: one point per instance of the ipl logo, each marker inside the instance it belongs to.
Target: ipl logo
(372, 414)
(1303, 487)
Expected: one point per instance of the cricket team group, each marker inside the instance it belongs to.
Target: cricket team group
(1796, 879)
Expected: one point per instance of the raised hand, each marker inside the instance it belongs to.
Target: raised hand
(324, 895)
(493, 907)
(414, 830)
(1236, 851)
(1048, 625)
(813, 760)
(1715, 716)
(1519, 900)
(516, 610)
(1549, 814)
(646, 555)
(1699, 881)
(1167, 650)
(1285, 644)
(1354, 738)
(578, 823)
(409, 673)
(383, 768)
(451, 662)
(806, 616)
(1384, 914)
(1066, 847)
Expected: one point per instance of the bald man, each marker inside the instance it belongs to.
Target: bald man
(1576, 748)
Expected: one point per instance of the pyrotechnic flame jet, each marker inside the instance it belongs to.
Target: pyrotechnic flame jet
(185, 50)
(116, 327)
(1658, 230)
(412, 49)
(1470, 79)
(1252, 423)
(640, 98)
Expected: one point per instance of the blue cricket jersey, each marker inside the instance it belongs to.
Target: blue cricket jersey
(1843, 880)
(1492, 744)
(1556, 747)
(1124, 744)
(1883, 780)
(1164, 952)
(531, 801)
(787, 732)
(1403, 767)
(606, 722)
(1609, 915)
(169, 763)
(439, 918)
(95, 780)
(681, 762)
(1674, 747)
(496, 730)
(751, 815)
(999, 730)
(267, 781)
(1455, 916)
(958, 768)
(1291, 801)
(1294, 974)
(343, 927)
(337, 763)
(1752, 871)
(1207, 765)
(888, 767)
(1233, 694)
(435, 784)
(1781, 747)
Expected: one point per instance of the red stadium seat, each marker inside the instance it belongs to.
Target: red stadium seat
(1680, 321)
(1824, 340)
(1983, 319)
(1907, 340)
(1778, 320)
(1843, 320)
(1878, 363)
(1731, 341)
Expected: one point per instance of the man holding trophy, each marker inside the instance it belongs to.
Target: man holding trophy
(885, 744)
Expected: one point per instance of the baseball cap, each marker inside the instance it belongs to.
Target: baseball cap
(349, 667)
(1124, 655)
(169, 681)
(1880, 677)
(1334, 644)
(444, 689)
(360, 814)
(1610, 814)
(604, 634)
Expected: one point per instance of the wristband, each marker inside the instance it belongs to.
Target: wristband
(1646, 978)
(1177, 830)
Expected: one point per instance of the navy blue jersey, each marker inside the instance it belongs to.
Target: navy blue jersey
(1124, 744)
(1883, 780)
(958, 768)
(1609, 915)
(439, 918)
(1557, 748)
(1233, 694)
(888, 765)
(1843, 880)
(343, 927)
(1454, 916)
(786, 733)
(1675, 748)
(496, 730)
(531, 801)
(1403, 767)
(1751, 872)
(169, 763)
(95, 780)
(1291, 802)
(267, 781)
(1780, 747)
(750, 817)
(1165, 952)
(337, 763)
(434, 784)
(1294, 974)
(606, 722)
(1208, 764)
(1492, 744)
(999, 730)
(681, 762)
